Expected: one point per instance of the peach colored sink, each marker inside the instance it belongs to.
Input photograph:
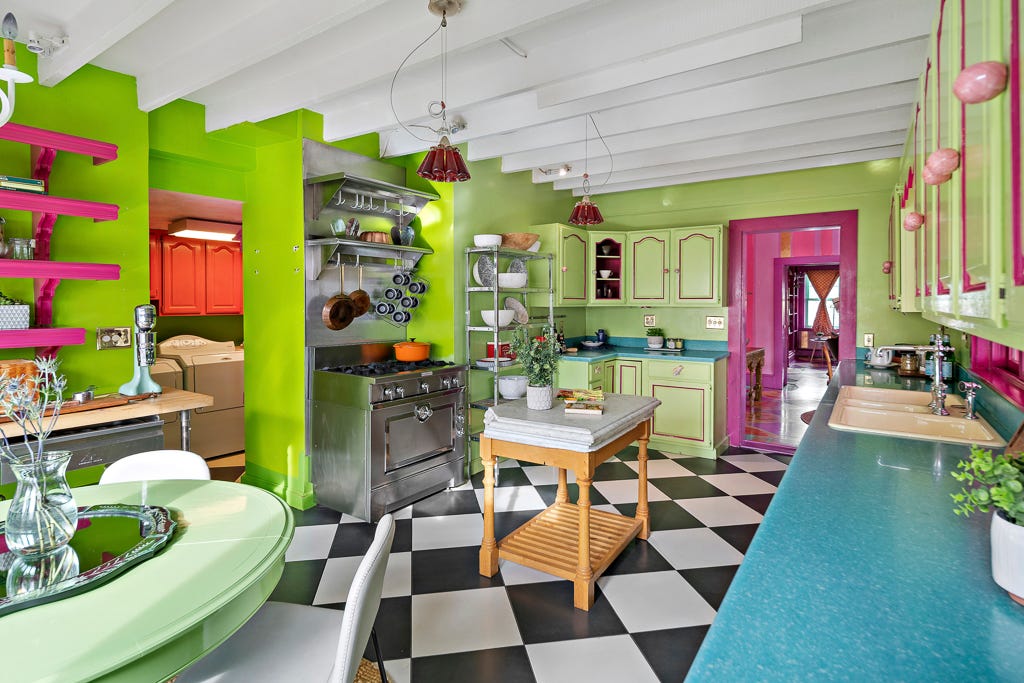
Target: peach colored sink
(905, 413)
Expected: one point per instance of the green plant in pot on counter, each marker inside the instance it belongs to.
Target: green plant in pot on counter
(997, 482)
(655, 337)
(539, 358)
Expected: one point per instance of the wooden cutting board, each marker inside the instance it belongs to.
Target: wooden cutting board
(108, 401)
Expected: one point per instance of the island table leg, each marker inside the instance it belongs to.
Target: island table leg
(642, 511)
(488, 547)
(562, 494)
(583, 584)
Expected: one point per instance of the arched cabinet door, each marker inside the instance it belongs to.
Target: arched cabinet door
(183, 265)
(697, 264)
(573, 289)
(649, 257)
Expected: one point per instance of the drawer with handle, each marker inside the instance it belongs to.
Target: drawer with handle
(680, 371)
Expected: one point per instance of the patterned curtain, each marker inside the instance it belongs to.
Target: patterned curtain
(822, 281)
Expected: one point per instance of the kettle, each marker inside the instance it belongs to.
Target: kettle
(602, 336)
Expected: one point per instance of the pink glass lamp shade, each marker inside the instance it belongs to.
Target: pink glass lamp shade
(586, 213)
(912, 221)
(943, 161)
(443, 164)
(930, 177)
(980, 82)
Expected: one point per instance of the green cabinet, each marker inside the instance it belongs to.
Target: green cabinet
(608, 268)
(648, 255)
(627, 377)
(691, 417)
(697, 263)
(570, 246)
(574, 374)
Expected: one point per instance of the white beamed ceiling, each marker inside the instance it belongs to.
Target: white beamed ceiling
(682, 90)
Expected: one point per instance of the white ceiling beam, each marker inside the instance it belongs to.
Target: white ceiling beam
(848, 73)
(655, 25)
(723, 48)
(888, 120)
(368, 50)
(746, 158)
(98, 25)
(753, 170)
(845, 30)
(881, 97)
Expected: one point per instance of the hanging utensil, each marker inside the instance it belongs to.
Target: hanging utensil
(360, 298)
(9, 30)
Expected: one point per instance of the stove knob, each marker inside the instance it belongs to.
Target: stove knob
(446, 382)
(389, 393)
(424, 387)
(400, 391)
(455, 381)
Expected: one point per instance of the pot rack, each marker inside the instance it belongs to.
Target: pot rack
(333, 251)
(344, 192)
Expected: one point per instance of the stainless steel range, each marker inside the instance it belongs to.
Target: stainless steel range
(382, 433)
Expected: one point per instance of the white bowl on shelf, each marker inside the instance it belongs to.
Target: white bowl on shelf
(605, 273)
(512, 280)
(487, 240)
(535, 247)
(512, 387)
(504, 317)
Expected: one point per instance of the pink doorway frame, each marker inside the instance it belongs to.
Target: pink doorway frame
(780, 360)
(738, 230)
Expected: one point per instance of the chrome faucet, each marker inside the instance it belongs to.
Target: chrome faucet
(939, 351)
(969, 389)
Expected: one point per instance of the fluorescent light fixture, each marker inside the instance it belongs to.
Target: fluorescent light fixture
(196, 229)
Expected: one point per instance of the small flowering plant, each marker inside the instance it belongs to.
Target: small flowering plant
(32, 403)
(538, 355)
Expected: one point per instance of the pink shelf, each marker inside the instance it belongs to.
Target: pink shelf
(101, 152)
(41, 337)
(58, 206)
(59, 270)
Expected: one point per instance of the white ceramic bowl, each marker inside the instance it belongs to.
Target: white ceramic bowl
(512, 386)
(591, 344)
(605, 273)
(504, 317)
(487, 240)
(535, 246)
(512, 280)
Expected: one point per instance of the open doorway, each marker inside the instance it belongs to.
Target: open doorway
(785, 275)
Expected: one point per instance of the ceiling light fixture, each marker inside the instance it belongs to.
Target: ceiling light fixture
(443, 162)
(562, 170)
(9, 72)
(585, 212)
(197, 229)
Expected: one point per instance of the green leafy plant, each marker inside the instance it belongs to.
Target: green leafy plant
(538, 355)
(655, 332)
(10, 301)
(992, 481)
(32, 403)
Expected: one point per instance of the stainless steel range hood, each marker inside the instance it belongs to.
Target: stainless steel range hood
(341, 185)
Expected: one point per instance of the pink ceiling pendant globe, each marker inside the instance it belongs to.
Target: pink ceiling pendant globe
(980, 82)
(886, 267)
(912, 221)
(930, 177)
(943, 161)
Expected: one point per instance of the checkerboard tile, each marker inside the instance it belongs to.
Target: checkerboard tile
(440, 620)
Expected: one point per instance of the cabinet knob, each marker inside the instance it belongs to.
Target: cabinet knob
(677, 270)
(565, 269)
(666, 270)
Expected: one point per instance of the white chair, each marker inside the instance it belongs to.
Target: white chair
(151, 465)
(287, 642)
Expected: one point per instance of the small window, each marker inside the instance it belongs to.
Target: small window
(811, 304)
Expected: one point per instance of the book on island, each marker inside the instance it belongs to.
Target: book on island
(584, 407)
(581, 394)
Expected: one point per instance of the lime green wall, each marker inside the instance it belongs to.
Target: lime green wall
(865, 187)
(98, 104)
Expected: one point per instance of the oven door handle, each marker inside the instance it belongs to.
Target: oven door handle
(423, 412)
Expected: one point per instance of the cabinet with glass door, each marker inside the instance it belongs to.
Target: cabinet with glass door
(608, 268)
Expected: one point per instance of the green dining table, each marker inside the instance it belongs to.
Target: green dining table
(162, 615)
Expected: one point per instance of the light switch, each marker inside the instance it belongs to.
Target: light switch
(113, 338)
(714, 322)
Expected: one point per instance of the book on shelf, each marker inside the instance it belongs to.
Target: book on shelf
(581, 394)
(584, 407)
(18, 188)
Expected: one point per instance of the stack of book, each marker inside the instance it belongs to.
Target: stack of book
(583, 401)
(10, 182)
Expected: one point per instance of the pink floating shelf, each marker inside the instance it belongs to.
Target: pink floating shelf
(59, 270)
(42, 337)
(101, 152)
(57, 206)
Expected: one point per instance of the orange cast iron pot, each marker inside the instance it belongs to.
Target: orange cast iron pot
(412, 350)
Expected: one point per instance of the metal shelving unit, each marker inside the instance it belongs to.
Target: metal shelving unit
(496, 303)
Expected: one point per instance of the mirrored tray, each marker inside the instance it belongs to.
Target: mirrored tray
(109, 540)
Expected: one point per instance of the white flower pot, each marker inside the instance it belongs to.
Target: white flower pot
(655, 342)
(1008, 556)
(538, 398)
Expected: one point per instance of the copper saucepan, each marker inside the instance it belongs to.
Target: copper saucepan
(338, 312)
(360, 298)
(375, 236)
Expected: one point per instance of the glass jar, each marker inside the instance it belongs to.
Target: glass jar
(43, 516)
(22, 249)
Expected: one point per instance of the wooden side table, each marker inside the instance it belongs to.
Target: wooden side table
(567, 540)
(755, 366)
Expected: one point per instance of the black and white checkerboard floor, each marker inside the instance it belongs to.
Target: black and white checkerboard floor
(440, 620)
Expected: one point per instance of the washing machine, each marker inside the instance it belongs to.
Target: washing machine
(207, 367)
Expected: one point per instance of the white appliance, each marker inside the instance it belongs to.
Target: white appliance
(206, 367)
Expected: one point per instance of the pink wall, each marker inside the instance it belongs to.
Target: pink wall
(762, 250)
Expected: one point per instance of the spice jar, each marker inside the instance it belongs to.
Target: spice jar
(22, 249)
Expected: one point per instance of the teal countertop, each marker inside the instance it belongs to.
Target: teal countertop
(861, 571)
(611, 352)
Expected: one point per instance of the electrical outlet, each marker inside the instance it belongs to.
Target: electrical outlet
(650, 321)
(714, 322)
(113, 338)
(869, 339)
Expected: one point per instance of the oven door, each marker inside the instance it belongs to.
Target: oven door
(413, 433)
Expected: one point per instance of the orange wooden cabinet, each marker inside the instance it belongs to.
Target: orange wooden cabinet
(198, 277)
(155, 272)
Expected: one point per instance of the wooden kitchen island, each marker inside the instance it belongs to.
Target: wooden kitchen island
(567, 539)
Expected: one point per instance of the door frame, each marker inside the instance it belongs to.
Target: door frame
(780, 361)
(847, 222)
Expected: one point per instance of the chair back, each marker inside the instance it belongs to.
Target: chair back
(152, 465)
(362, 603)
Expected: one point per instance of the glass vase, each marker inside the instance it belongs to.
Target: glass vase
(43, 516)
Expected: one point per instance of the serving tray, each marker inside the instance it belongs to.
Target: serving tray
(109, 540)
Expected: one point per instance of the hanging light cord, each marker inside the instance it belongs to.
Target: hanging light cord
(611, 159)
(394, 79)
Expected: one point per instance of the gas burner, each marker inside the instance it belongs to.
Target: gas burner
(389, 367)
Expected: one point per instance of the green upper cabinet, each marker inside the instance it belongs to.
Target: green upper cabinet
(697, 264)
(570, 246)
(608, 268)
(649, 259)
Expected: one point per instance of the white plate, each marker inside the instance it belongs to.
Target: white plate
(503, 361)
(591, 344)
(520, 315)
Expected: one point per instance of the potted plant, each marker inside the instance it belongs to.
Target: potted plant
(997, 481)
(42, 517)
(655, 337)
(539, 357)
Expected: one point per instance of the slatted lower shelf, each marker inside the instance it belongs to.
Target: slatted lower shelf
(550, 541)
